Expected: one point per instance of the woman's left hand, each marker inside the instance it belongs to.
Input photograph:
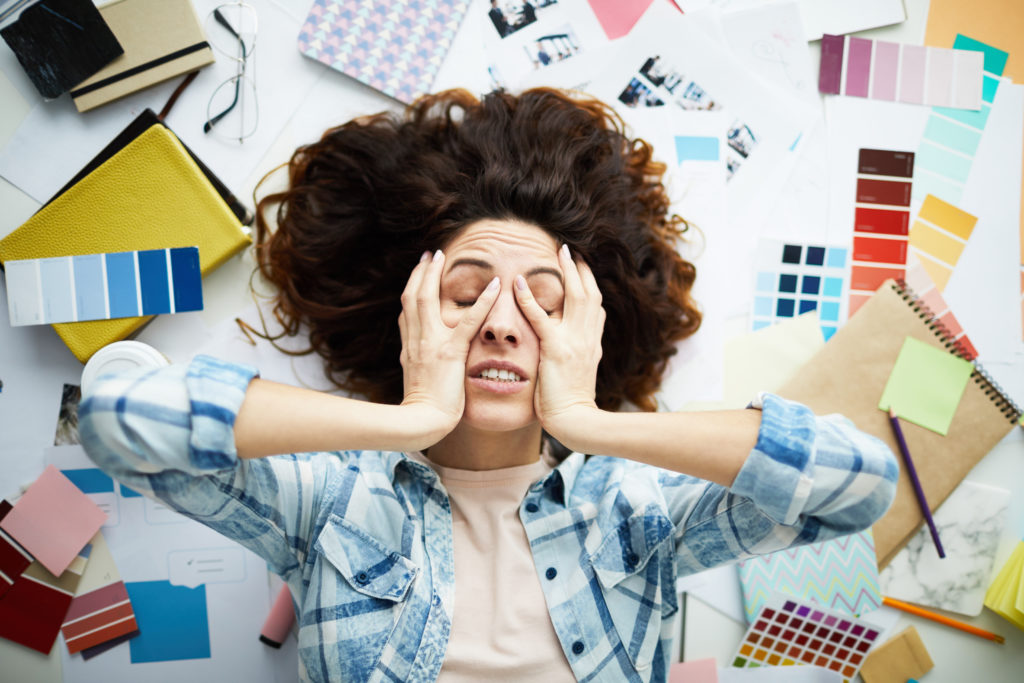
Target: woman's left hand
(570, 349)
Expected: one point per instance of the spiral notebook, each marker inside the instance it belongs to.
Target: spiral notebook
(848, 376)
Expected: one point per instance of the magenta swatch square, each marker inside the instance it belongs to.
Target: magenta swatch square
(858, 67)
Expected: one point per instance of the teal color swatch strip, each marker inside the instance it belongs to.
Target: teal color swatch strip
(953, 135)
(693, 148)
(944, 162)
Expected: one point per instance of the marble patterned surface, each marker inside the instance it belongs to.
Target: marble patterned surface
(970, 523)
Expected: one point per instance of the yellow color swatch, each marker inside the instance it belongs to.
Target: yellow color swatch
(937, 272)
(935, 243)
(947, 217)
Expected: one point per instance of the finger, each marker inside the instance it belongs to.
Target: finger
(533, 311)
(471, 321)
(593, 292)
(428, 298)
(409, 314)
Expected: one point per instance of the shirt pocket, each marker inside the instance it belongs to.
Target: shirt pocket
(363, 590)
(365, 563)
(634, 565)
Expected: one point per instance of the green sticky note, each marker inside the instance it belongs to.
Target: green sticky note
(925, 385)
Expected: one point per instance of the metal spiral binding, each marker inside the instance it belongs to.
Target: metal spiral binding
(995, 393)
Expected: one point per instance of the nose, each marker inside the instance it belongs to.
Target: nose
(504, 322)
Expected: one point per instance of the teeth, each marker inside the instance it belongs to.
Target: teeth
(500, 375)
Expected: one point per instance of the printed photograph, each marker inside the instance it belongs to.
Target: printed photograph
(637, 94)
(67, 420)
(508, 16)
(553, 47)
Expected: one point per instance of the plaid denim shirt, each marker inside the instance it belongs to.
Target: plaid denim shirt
(364, 539)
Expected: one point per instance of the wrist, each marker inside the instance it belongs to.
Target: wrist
(578, 427)
(421, 425)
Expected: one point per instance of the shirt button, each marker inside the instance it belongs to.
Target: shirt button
(532, 507)
(362, 577)
(551, 573)
(577, 647)
(632, 559)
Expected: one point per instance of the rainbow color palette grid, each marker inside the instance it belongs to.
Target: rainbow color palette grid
(898, 72)
(881, 223)
(952, 136)
(793, 279)
(793, 633)
(126, 284)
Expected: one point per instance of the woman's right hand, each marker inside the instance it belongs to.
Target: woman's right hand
(434, 354)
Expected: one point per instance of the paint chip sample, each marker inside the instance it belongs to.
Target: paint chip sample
(54, 520)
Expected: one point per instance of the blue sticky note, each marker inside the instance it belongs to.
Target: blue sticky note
(173, 622)
(693, 148)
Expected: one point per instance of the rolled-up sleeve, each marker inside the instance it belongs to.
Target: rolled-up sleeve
(169, 434)
(809, 478)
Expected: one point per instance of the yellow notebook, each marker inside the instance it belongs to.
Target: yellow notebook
(150, 195)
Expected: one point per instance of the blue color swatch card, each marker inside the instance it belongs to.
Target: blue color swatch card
(792, 279)
(126, 284)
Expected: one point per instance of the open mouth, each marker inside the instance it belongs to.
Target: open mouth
(495, 374)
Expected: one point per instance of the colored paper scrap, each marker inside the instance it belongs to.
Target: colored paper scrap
(53, 520)
(617, 17)
(1005, 595)
(173, 622)
(925, 385)
(695, 671)
(897, 659)
(841, 573)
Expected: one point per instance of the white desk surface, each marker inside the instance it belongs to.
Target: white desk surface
(34, 363)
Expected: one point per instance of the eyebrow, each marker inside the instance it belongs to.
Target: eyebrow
(480, 263)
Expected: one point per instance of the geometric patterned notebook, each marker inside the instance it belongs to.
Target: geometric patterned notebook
(395, 46)
(841, 574)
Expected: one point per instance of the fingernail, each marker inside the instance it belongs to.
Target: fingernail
(424, 256)
(493, 285)
(437, 255)
(520, 283)
(565, 250)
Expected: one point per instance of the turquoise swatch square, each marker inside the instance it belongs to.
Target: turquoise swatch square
(763, 306)
(833, 286)
(836, 258)
(829, 311)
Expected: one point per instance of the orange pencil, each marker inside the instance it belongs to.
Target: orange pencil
(927, 614)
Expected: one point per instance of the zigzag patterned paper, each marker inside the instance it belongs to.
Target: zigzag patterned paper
(395, 46)
(841, 574)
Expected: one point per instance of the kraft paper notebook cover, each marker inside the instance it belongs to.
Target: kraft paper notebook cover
(161, 39)
(150, 195)
(848, 376)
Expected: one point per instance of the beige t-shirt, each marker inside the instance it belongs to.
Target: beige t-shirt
(501, 629)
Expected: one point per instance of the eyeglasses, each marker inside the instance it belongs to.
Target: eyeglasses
(232, 112)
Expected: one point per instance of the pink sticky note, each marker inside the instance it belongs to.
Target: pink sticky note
(617, 17)
(697, 671)
(53, 520)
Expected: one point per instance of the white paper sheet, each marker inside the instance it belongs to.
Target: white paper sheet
(147, 542)
(986, 279)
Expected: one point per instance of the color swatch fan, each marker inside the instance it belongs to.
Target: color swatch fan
(395, 46)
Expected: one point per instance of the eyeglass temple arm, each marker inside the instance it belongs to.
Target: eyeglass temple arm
(224, 22)
(208, 126)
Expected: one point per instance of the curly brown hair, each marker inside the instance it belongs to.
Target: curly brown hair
(373, 194)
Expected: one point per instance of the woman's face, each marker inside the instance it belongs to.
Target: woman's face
(501, 368)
